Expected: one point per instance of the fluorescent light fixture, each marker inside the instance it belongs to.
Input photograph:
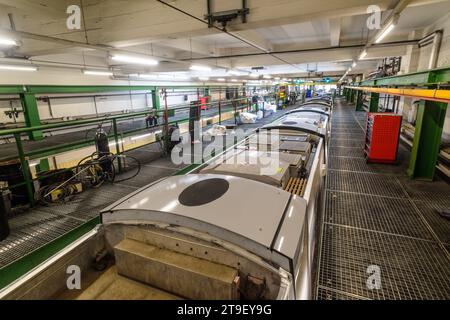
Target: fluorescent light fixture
(363, 55)
(277, 78)
(147, 76)
(254, 75)
(233, 80)
(221, 79)
(97, 73)
(197, 67)
(353, 64)
(385, 33)
(181, 77)
(266, 76)
(237, 73)
(7, 42)
(17, 68)
(203, 78)
(134, 60)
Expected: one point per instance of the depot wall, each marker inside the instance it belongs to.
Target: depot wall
(417, 59)
(65, 107)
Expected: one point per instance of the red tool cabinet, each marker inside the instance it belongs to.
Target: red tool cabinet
(382, 137)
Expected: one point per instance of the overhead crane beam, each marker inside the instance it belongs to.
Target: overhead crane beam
(424, 94)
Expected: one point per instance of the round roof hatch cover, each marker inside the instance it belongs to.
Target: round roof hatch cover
(289, 122)
(203, 192)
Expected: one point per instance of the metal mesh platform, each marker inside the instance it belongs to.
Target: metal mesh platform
(373, 184)
(375, 215)
(352, 143)
(353, 152)
(352, 162)
(390, 215)
(328, 294)
(410, 268)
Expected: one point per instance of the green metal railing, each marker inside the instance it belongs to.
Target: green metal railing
(23, 156)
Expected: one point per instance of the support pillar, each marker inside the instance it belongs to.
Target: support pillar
(31, 114)
(352, 96)
(359, 101)
(156, 102)
(427, 139)
(374, 102)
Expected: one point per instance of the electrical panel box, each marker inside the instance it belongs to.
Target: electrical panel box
(382, 137)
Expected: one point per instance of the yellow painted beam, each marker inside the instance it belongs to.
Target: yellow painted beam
(425, 94)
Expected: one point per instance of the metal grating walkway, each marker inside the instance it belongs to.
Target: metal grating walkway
(375, 215)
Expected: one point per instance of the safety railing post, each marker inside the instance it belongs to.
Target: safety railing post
(25, 169)
(166, 120)
(220, 106)
(116, 140)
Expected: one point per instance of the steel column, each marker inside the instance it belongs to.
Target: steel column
(352, 96)
(156, 102)
(427, 139)
(116, 140)
(31, 114)
(374, 102)
(359, 101)
(25, 169)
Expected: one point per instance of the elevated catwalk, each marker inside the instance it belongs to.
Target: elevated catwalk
(375, 215)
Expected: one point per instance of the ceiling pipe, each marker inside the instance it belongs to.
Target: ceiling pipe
(98, 47)
(229, 33)
(437, 41)
(356, 46)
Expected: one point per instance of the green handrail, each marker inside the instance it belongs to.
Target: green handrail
(24, 156)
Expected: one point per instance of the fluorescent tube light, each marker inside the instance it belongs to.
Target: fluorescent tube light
(363, 55)
(97, 73)
(7, 42)
(197, 67)
(385, 33)
(203, 78)
(221, 79)
(134, 60)
(237, 73)
(17, 68)
(148, 76)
